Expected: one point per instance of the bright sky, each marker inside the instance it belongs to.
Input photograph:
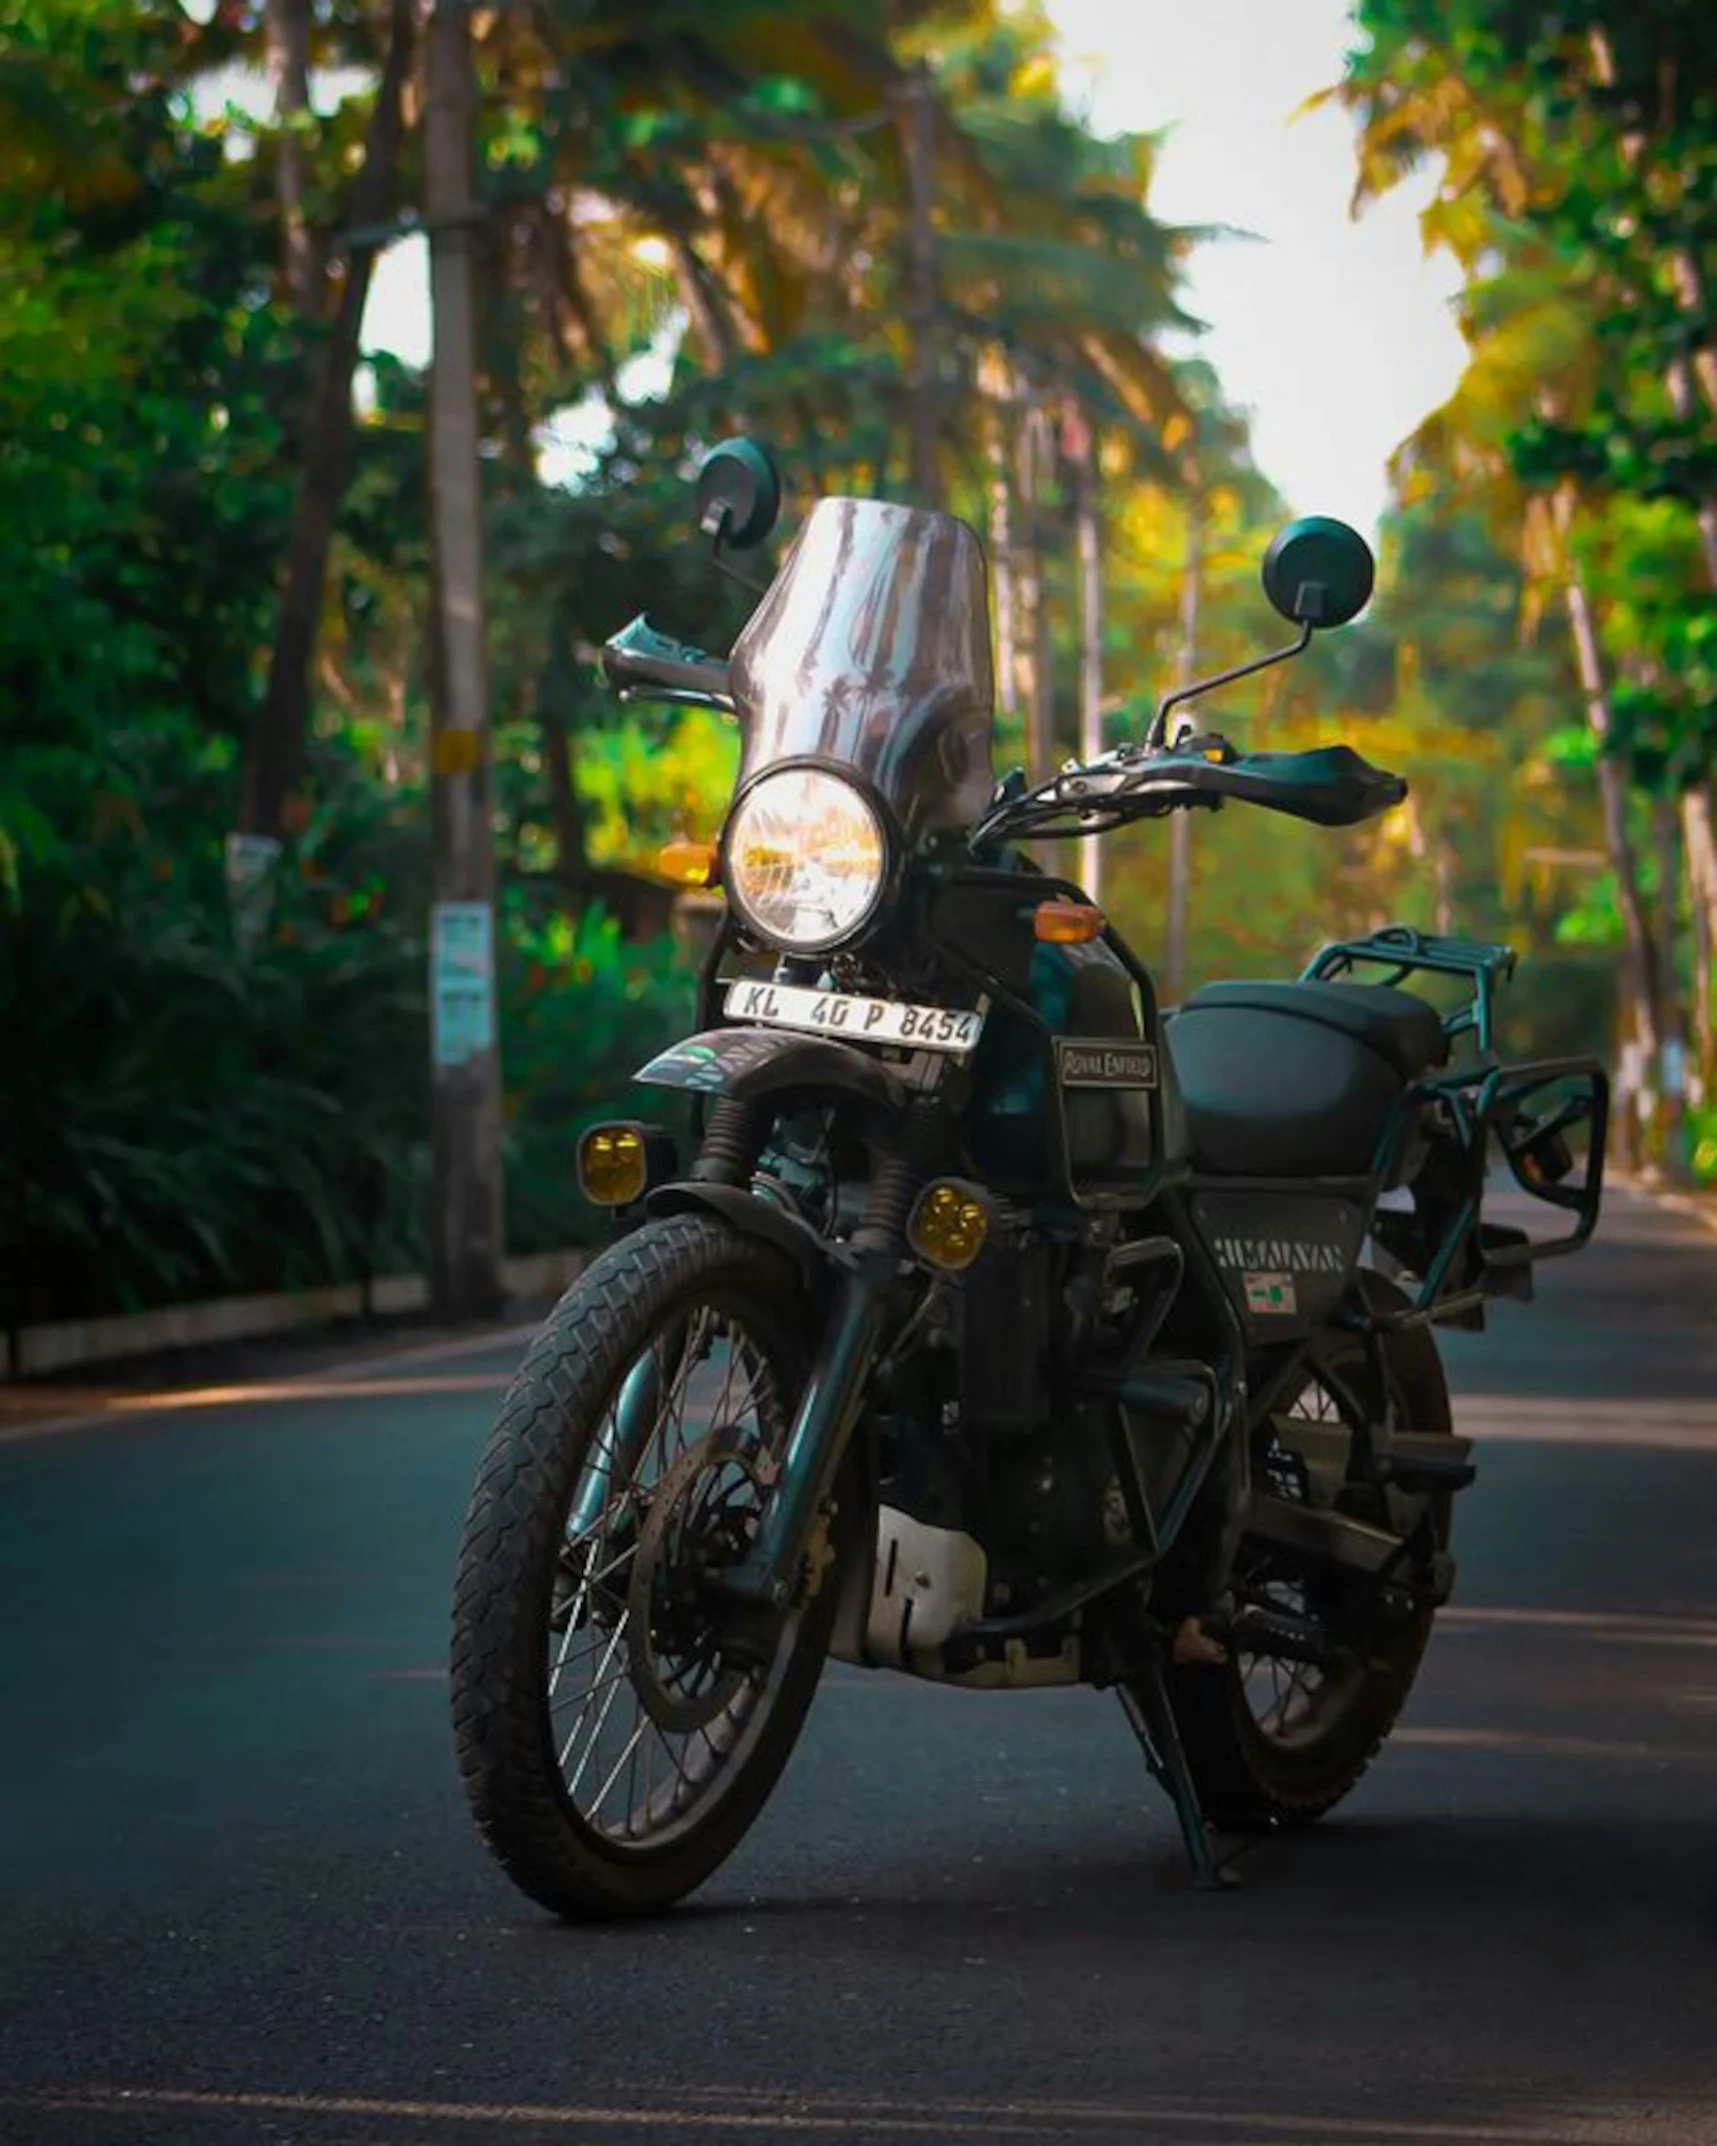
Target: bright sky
(1337, 336)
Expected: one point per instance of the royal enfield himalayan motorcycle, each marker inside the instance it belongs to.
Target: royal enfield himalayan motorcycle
(992, 1325)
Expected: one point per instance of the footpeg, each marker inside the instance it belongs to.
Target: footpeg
(1427, 1460)
(1280, 1635)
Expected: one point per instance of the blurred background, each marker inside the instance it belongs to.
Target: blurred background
(354, 359)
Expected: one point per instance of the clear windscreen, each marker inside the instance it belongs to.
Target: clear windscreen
(871, 651)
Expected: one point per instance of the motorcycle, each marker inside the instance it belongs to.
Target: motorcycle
(998, 1326)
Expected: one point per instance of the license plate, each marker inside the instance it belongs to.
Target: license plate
(858, 1020)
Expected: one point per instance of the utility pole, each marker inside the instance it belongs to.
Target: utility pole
(917, 122)
(465, 1104)
(1180, 823)
(1081, 448)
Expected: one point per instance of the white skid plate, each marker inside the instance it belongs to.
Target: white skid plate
(855, 1019)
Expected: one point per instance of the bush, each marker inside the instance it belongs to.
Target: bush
(181, 1119)
(580, 1011)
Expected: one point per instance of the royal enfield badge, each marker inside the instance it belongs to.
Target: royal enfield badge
(1097, 1064)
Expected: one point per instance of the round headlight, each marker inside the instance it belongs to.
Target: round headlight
(806, 859)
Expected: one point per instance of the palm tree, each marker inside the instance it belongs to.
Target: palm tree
(275, 751)
(1596, 133)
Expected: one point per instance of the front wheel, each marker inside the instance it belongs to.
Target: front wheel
(614, 1748)
(1275, 1743)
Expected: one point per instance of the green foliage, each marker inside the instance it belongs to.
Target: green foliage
(581, 1009)
(179, 1118)
(727, 189)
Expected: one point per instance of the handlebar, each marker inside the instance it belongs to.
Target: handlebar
(640, 660)
(1331, 785)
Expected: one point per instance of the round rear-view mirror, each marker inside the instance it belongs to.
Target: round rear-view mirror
(1319, 572)
(739, 494)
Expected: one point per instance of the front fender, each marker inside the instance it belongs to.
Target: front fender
(754, 1064)
(754, 1216)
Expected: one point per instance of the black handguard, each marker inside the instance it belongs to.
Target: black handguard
(645, 664)
(1331, 784)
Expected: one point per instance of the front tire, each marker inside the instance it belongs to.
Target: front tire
(612, 1758)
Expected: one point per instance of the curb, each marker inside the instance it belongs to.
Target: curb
(67, 1344)
(1702, 1211)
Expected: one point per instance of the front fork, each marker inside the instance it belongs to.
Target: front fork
(832, 1403)
(827, 1415)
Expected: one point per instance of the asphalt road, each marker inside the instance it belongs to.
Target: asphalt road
(241, 1901)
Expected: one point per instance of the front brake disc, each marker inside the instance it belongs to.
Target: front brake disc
(703, 1514)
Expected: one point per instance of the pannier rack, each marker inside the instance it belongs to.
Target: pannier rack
(1471, 1260)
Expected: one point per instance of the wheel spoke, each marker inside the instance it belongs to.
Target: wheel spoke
(614, 1640)
(577, 1698)
(626, 1753)
(1291, 1701)
(702, 1372)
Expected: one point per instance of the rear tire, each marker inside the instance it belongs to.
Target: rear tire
(556, 1449)
(1251, 1777)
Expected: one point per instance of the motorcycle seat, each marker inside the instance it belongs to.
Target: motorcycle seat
(1297, 1079)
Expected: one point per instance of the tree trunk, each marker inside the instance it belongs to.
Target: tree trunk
(1641, 1024)
(997, 386)
(1180, 823)
(286, 34)
(1680, 383)
(1036, 675)
(1699, 852)
(565, 814)
(275, 758)
(705, 303)
(917, 125)
(1689, 282)
(1081, 448)
(465, 1116)
(1672, 1038)
(567, 304)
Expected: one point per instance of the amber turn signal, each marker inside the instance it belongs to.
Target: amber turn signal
(613, 1165)
(687, 864)
(949, 1223)
(1059, 922)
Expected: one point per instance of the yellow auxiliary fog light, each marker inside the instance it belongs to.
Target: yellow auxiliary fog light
(949, 1224)
(613, 1165)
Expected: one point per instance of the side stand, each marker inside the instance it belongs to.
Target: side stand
(1146, 1702)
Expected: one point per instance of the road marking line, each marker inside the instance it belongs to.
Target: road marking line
(348, 1379)
(430, 1352)
(785, 2110)
(1621, 1626)
(1679, 1425)
(1561, 1747)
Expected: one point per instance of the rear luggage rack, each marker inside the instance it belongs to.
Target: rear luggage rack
(1402, 950)
(1530, 1108)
